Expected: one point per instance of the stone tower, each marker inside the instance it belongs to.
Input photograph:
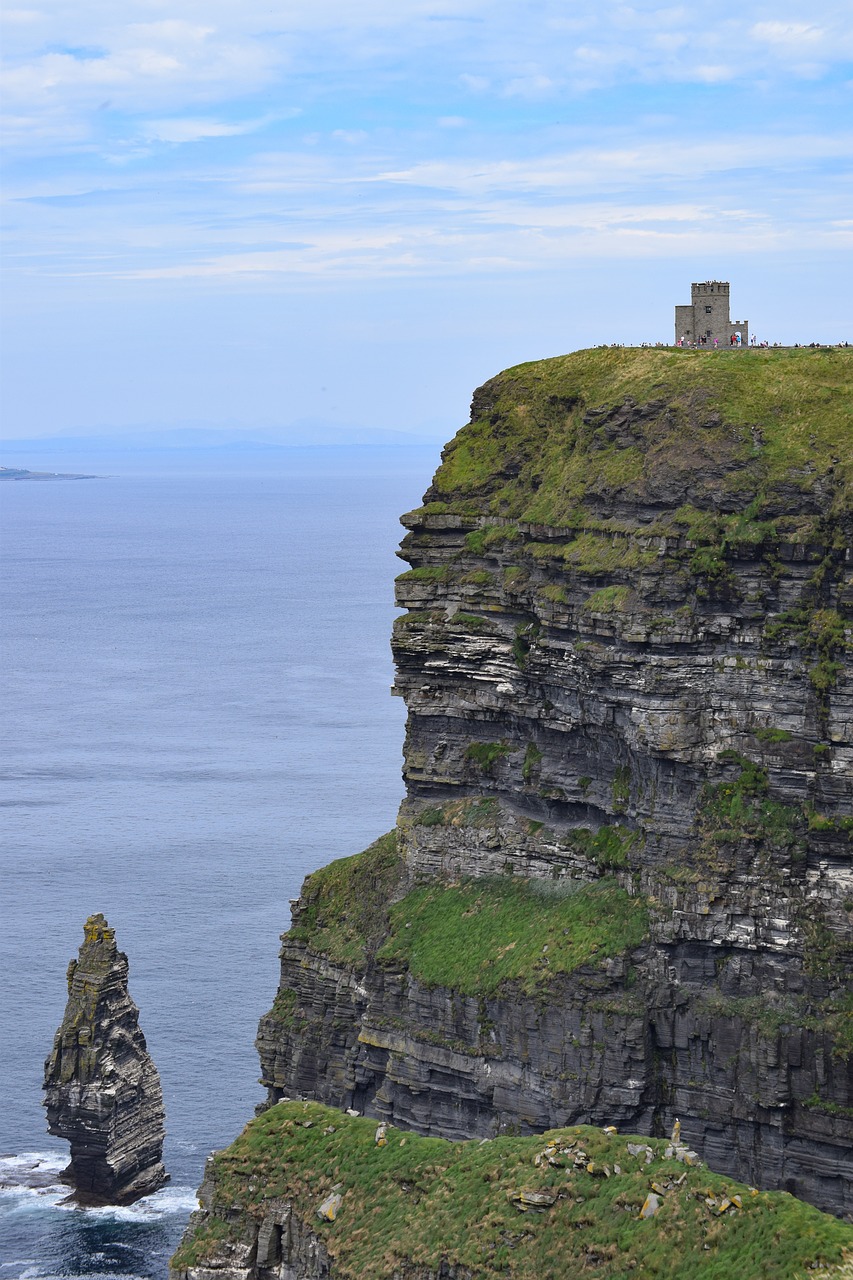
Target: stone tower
(708, 318)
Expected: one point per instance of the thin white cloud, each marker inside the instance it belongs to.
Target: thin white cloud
(531, 86)
(788, 33)
(419, 251)
(475, 84)
(711, 74)
(156, 61)
(586, 168)
(22, 17)
(188, 129)
(352, 137)
(526, 172)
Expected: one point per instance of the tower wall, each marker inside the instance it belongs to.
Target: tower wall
(684, 327)
(708, 316)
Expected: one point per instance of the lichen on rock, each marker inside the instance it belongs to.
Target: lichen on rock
(102, 1090)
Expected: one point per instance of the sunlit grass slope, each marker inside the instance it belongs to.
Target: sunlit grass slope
(767, 422)
(417, 1201)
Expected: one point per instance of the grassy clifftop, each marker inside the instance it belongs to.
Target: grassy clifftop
(608, 1206)
(473, 936)
(556, 441)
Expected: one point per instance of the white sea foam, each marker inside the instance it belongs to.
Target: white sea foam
(30, 1180)
(31, 1162)
(165, 1203)
(32, 1271)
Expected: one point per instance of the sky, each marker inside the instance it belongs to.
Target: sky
(246, 215)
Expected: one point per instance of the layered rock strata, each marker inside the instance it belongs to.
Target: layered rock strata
(102, 1090)
(626, 661)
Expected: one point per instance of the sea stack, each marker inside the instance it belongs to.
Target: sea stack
(102, 1089)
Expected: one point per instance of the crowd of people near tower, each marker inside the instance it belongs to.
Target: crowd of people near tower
(736, 340)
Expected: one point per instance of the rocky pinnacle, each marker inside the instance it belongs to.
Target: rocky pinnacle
(102, 1090)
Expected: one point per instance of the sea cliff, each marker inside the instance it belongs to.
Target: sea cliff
(620, 889)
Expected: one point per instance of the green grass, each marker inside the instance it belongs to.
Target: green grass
(482, 812)
(421, 1202)
(773, 736)
(742, 807)
(471, 621)
(485, 755)
(490, 535)
(592, 553)
(343, 905)
(526, 635)
(426, 573)
(609, 846)
(766, 419)
(832, 1016)
(612, 599)
(532, 758)
(476, 935)
(283, 1006)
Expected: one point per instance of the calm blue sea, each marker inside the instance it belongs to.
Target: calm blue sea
(196, 713)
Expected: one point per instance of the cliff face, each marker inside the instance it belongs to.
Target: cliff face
(620, 888)
(102, 1090)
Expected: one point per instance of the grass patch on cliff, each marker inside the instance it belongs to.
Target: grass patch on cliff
(343, 911)
(485, 755)
(610, 846)
(470, 812)
(425, 573)
(545, 440)
(592, 554)
(742, 808)
(425, 1204)
(476, 935)
(772, 1017)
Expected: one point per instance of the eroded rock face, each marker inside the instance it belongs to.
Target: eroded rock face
(626, 655)
(102, 1090)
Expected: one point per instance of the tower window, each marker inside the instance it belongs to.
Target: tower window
(707, 311)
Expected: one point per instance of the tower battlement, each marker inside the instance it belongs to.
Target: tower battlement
(706, 322)
(708, 286)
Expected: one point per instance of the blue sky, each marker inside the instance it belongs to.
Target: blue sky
(248, 215)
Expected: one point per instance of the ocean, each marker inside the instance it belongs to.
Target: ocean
(196, 714)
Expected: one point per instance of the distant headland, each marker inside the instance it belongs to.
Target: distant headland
(20, 473)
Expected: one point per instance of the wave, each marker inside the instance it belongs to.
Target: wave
(36, 1271)
(49, 1161)
(168, 1202)
(30, 1179)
